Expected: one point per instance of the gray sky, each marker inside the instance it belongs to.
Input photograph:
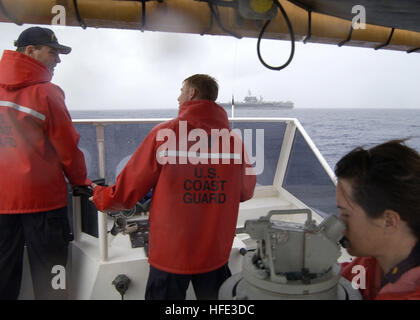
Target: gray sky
(126, 69)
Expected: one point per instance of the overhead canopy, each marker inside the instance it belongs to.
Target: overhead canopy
(399, 14)
(330, 21)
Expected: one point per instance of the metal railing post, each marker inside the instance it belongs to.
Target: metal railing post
(100, 142)
(286, 148)
(77, 218)
(102, 217)
(103, 236)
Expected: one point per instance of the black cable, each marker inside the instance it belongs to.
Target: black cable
(348, 37)
(292, 38)
(387, 42)
(143, 12)
(210, 25)
(143, 15)
(309, 35)
(413, 50)
(7, 15)
(78, 16)
(217, 18)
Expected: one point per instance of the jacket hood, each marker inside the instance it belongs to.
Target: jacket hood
(18, 70)
(204, 113)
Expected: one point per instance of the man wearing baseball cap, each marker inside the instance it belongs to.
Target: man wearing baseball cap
(42, 45)
(38, 150)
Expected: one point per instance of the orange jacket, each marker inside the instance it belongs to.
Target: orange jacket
(194, 207)
(37, 139)
(407, 287)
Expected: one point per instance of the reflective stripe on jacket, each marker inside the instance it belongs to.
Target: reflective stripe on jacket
(194, 207)
(38, 142)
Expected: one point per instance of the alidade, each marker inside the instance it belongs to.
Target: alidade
(292, 261)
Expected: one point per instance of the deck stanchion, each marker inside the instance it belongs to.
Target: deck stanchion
(102, 217)
(100, 142)
(103, 236)
(77, 218)
(285, 151)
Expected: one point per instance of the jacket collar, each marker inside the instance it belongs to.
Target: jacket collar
(18, 70)
(205, 114)
(412, 261)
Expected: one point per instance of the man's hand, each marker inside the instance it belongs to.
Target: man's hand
(93, 185)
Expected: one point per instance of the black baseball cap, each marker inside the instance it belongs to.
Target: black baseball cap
(44, 36)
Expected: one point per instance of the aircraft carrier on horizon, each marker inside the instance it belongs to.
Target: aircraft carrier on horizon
(252, 102)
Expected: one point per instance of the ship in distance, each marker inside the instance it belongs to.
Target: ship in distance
(251, 101)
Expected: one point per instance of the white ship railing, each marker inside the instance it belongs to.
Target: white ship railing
(292, 125)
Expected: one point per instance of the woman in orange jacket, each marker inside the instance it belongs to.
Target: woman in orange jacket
(378, 197)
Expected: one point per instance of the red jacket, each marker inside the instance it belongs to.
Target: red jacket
(37, 139)
(407, 287)
(195, 207)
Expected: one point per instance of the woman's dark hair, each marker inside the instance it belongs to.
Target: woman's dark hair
(386, 176)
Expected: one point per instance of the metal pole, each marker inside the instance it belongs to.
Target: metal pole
(102, 217)
(77, 221)
(100, 142)
(103, 236)
(285, 151)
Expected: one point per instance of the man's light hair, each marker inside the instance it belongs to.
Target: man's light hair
(206, 86)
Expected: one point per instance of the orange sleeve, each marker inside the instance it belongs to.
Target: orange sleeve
(136, 179)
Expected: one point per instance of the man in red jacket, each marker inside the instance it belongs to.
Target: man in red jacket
(199, 174)
(378, 197)
(38, 149)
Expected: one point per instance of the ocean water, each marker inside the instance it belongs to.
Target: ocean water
(334, 131)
